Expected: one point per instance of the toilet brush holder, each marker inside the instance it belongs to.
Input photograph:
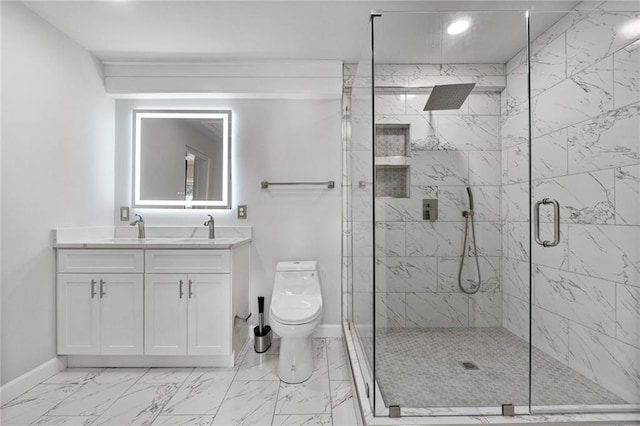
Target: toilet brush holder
(262, 342)
(261, 332)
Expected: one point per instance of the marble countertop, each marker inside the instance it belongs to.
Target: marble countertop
(158, 243)
(158, 237)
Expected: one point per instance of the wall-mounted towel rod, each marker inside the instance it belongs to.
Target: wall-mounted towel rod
(329, 184)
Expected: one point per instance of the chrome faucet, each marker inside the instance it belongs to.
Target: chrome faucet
(212, 227)
(140, 223)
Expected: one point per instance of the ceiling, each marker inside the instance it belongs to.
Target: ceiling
(288, 30)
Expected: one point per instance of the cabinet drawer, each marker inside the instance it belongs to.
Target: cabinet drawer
(100, 261)
(187, 261)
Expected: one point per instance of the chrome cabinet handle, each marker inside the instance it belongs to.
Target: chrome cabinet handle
(102, 292)
(180, 291)
(556, 222)
(190, 289)
(93, 288)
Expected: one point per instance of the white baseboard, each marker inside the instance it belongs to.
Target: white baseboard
(149, 361)
(32, 378)
(328, 330)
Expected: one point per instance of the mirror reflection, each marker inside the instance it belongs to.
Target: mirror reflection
(181, 159)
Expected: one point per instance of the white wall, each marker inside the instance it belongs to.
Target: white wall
(272, 140)
(57, 170)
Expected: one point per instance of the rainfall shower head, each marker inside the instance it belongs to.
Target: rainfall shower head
(448, 96)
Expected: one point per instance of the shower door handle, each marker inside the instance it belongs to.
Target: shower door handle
(556, 222)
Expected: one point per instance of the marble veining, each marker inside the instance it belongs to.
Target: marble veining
(610, 252)
(605, 360)
(515, 124)
(550, 333)
(550, 154)
(448, 273)
(469, 132)
(585, 197)
(582, 96)
(518, 163)
(628, 314)
(515, 275)
(627, 189)
(626, 83)
(247, 403)
(515, 202)
(29, 406)
(548, 66)
(406, 274)
(310, 397)
(608, 140)
(597, 36)
(202, 392)
(586, 300)
(390, 310)
(139, 405)
(180, 396)
(437, 310)
(484, 168)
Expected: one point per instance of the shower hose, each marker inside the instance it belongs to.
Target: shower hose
(468, 217)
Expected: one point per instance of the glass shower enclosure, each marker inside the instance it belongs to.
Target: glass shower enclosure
(492, 211)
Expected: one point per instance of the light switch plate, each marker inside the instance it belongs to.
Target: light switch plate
(242, 211)
(124, 214)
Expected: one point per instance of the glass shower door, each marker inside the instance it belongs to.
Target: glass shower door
(360, 193)
(444, 342)
(585, 156)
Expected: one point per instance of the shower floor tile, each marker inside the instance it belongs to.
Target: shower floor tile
(423, 368)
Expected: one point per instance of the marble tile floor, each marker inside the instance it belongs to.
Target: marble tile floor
(422, 368)
(248, 394)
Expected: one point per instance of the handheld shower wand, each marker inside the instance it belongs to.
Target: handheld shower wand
(468, 217)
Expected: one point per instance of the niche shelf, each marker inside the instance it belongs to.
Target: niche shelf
(392, 152)
(392, 181)
(392, 140)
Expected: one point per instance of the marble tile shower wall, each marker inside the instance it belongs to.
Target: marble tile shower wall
(416, 260)
(585, 87)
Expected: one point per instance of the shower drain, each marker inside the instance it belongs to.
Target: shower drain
(468, 365)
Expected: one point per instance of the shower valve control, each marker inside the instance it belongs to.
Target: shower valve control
(430, 209)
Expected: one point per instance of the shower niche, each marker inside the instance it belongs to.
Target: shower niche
(392, 170)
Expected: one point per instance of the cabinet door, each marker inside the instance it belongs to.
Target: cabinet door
(209, 324)
(78, 314)
(165, 315)
(121, 314)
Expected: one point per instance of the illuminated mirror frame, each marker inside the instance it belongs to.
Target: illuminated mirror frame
(225, 116)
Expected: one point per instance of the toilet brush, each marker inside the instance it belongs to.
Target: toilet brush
(262, 340)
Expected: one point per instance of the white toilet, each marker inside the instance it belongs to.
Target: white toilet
(296, 311)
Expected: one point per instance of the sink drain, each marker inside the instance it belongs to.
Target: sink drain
(468, 365)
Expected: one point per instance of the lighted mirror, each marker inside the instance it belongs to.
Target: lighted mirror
(181, 159)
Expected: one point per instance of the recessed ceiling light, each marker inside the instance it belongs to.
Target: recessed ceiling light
(458, 27)
(631, 29)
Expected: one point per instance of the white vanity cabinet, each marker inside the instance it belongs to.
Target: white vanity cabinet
(100, 302)
(188, 302)
(188, 314)
(163, 303)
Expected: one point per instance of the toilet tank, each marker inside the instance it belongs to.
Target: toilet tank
(297, 265)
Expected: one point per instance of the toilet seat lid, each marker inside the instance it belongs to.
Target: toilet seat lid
(296, 309)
